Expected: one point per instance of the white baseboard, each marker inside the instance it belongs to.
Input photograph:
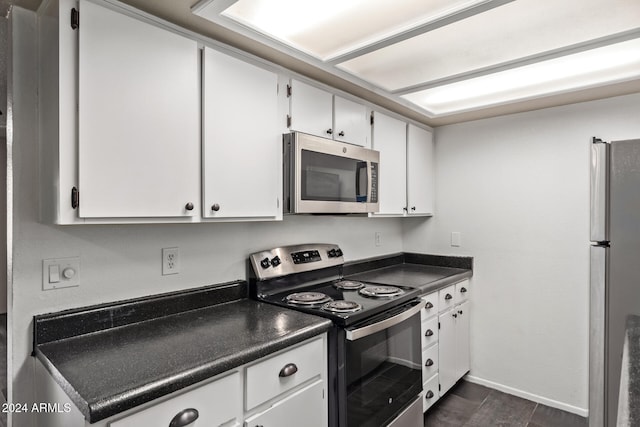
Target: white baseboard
(529, 396)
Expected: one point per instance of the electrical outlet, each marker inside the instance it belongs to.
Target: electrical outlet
(170, 261)
(378, 238)
(456, 239)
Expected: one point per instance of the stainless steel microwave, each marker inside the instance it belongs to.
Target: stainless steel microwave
(326, 176)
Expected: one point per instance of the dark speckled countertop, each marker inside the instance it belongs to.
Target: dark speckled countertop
(426, 272)
(117, 366)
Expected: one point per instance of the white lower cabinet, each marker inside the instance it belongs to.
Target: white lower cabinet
(196, 405)
(445, 340)
(301, 408)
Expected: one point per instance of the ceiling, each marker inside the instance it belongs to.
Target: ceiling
(435, 61)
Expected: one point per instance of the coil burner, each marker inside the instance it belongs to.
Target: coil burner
(307, 299)
(380, 291)
(342, 306)
(349, 285)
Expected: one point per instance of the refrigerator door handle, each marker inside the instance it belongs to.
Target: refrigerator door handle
(599, 191)
(597, 336)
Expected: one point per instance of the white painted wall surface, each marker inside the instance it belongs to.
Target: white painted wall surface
(517, 188)
(124, 261)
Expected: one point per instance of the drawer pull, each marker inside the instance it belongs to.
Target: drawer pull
(184, 418)
(429, 394)
(463, 290)
(429, 362)
(448, 296)
(288, 370)
(429, 305)
(428, 333)
(459, 311)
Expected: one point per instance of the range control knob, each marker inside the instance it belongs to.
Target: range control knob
(265, 263)
(275, 261)
(331, 253)
(338, 252)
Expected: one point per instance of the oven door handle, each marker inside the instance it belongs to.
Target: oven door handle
(355, 334)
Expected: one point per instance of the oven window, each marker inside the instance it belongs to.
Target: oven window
(333, 178)
(384, 373)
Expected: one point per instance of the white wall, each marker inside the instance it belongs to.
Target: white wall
(517, 188)
(124, 261)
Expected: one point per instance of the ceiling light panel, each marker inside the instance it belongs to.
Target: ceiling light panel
(515, 30)
(329, 28)
(605, 65)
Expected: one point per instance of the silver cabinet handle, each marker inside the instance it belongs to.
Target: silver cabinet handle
(184, 417)
(288, 370)
(355, 334)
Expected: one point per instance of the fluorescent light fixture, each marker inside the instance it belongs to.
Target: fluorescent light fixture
(605, 65)
(329, 28)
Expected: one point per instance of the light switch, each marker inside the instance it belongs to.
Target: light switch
(60, 273)
(54, 273)
(455, 238)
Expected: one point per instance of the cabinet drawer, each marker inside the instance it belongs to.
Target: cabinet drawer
(430, 393)
(431, 307)
(305, 407)
(263, 379)
(447, 298)
(217, 403)
(429, 363)
(429, 332)
(462, 291)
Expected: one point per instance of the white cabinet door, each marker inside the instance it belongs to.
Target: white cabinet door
(351, 123)
(139, 125)
(447, 350)
(390, 139)
(463, 324)
(242, 148)
(305, 407)
(420, 171)
(311, 110)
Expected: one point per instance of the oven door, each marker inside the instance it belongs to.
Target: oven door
(383, 368)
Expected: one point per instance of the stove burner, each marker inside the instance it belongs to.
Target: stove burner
(349, 285)
(307, 298)
(381, 291)
(342, 306)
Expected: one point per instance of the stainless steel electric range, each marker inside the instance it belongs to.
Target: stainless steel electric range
(375, 373)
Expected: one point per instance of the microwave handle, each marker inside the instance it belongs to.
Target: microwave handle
(359, 168)
(355, 334)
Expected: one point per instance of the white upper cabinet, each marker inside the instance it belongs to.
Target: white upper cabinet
(390, 139)
(318, 112)
(420, 171)
(351, 123)
(242, 145)
(138, 118)
(311, 109)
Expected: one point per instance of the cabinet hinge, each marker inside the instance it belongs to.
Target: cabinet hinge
(371, 118)
(75, 19)
(439, 387)
(75, 198)
(288, 121)
(288, 91)
(438, 325)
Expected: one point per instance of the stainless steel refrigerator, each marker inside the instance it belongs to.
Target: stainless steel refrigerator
(615, 269)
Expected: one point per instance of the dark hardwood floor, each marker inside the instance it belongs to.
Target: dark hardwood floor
(473, 405)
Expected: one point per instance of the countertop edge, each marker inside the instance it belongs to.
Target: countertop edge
(445, 281)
